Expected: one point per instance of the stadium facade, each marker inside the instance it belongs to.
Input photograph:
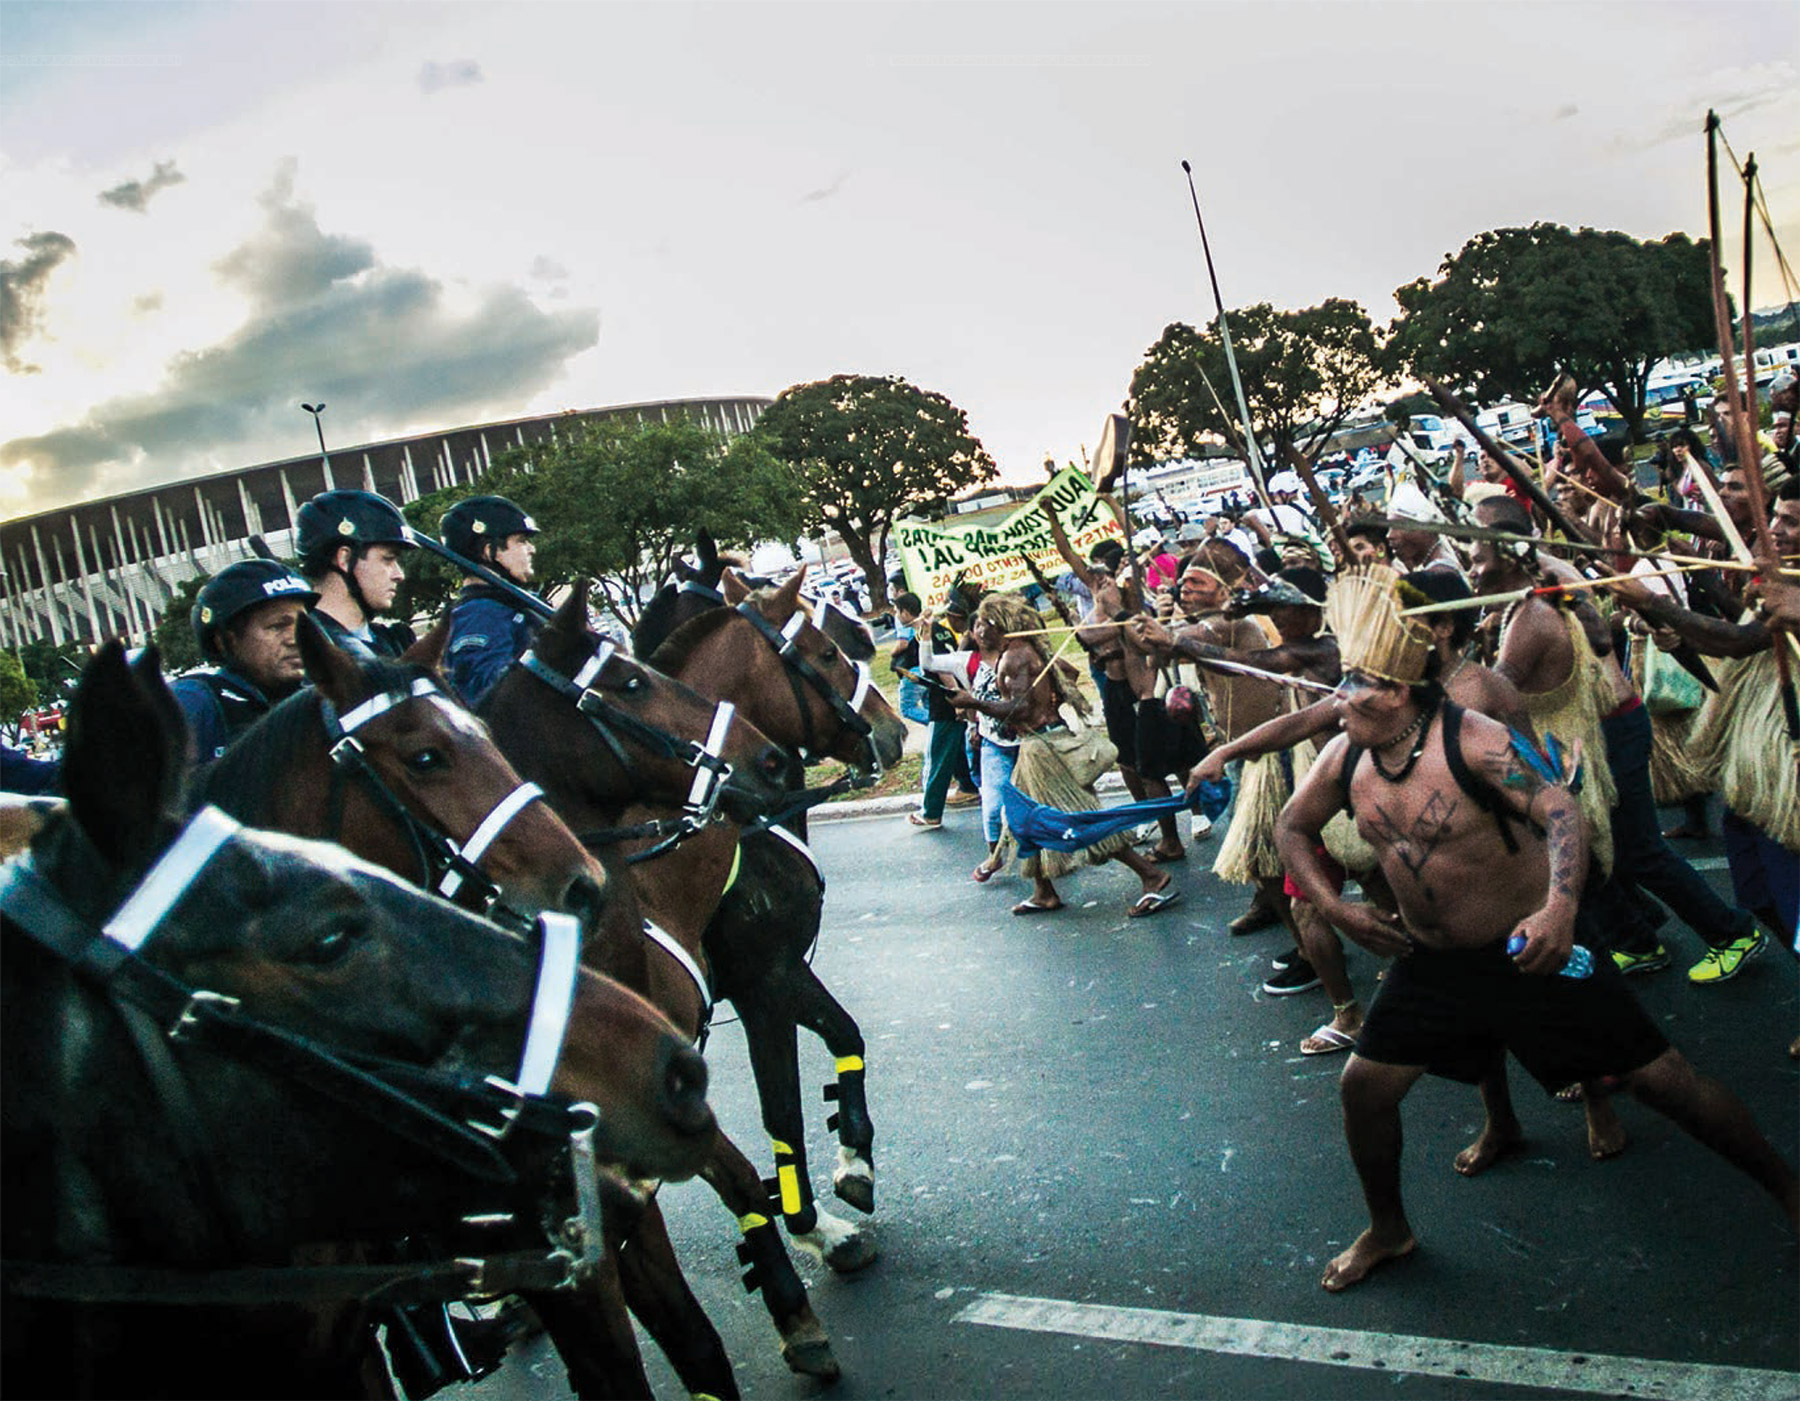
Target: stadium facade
(108, 568)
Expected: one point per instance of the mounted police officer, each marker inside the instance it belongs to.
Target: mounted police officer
(243, 619)
(488, 629)
(350, 547)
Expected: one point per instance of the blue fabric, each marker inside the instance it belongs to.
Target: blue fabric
(486, 637)
(997, 761)
(1037, 828)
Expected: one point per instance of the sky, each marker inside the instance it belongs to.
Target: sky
(432, 215)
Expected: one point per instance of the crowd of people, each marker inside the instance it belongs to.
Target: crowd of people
(1487, 772)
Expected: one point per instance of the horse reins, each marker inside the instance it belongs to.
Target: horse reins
(802, 673)
(444, 865)
(457, 1118)
(711, 769)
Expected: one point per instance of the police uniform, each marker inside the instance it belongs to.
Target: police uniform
(219, 705)
(488, 632)
(375, 642)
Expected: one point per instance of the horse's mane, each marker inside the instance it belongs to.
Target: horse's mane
(675, 650)
(243, 780)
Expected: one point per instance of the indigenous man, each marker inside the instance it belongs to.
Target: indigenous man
(1127, 677)
(489, 631)
(350, 545)
(243, 618)
(1486, 860)
(1026, 695)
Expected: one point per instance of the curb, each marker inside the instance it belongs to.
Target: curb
(909, 802)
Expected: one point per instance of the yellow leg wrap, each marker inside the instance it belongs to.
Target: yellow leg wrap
(749, 1223)
(846, 1064)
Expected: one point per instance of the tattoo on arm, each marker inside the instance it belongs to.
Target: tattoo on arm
(1566, 849)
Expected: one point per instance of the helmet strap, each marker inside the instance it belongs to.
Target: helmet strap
(351, 586)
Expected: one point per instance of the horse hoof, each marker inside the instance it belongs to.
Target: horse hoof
(838, 1245)
(807, 1351)
(854, 1181)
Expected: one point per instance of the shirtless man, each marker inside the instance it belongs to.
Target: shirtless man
(1482, 856)
(1128, 676)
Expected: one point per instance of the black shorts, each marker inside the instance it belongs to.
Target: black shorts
(1454, 1010)
(1166, 746)
(1119, 707)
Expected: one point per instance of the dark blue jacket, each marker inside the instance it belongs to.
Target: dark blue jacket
(220, 706)
(488, 633)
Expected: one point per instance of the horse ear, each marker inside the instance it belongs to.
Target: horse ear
(787, 597)
(428, 651)
(708, 550)
(733, 587)
(572, 615)
(124, 764)
(328, 666)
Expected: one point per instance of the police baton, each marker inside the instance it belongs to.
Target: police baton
(525, 598)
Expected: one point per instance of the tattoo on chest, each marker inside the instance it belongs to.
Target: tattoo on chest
(1415, 842)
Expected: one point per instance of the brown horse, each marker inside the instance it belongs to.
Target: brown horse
(179, 1003)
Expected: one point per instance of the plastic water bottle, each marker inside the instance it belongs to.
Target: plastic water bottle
(1580, 964)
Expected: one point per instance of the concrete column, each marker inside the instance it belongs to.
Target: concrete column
(368, 474)
(56, 631)
(287, 496)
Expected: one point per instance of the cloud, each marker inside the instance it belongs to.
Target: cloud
(137, 194)
(459, 73)
(826, 192)
(388, 347)
(22, 293)
(546, 269)
(1564, 112)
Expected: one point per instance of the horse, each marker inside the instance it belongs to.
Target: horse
(683, 895)
(225, 1046)
(779, 888)
(376, 756)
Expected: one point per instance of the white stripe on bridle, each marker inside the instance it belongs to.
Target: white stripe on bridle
(593, 666)
(665, 941)
(358, 716)
(707, 780)
(159, 891)
(558, 963)
(484, 836)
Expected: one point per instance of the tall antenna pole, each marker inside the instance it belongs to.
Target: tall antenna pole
(1237, 382)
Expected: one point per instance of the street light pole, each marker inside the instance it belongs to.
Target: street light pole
(315, 410)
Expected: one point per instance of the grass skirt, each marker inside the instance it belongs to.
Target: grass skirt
(1741, 736)
(1247, 853)
(1675, 771)
(1043, 775)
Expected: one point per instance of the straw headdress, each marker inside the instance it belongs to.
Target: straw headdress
(1363, 609)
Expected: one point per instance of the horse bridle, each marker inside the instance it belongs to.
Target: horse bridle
(707, 759)
(445, 866)
(457, 1118)
(801, 674)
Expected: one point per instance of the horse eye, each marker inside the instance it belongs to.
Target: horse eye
(829, 655)
(634, 682)
(427, 761)
(334, 945)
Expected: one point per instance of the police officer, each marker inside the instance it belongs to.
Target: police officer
(488, 629)
(243, 619)
(350, 548)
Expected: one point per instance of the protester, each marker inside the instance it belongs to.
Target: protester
(947, 781)
(1021, 690)
(243, 620)
(489, 627)
(1487, 892)
(350, 545)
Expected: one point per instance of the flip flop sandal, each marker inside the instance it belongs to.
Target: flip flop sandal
(983, 874)
(1155, 901)
(1031, 907)
(1329, 1042)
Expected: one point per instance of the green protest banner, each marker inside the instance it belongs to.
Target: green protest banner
(992, 555)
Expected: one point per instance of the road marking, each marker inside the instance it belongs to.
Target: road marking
(1396, 1353)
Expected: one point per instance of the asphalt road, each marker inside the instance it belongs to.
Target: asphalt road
(1104, 1112)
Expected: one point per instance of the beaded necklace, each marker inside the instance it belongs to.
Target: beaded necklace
(1421, 725)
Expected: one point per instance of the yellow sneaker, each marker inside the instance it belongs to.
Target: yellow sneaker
(1646, 961)
(1723, 962)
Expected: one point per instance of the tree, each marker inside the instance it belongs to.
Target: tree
(53, 669)
(1517, 307)
(1303, 373)
(867, 451)
(618, 501)
(18, 692)
(174, 631)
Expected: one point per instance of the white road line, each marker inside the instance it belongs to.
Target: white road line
(1391, 1352)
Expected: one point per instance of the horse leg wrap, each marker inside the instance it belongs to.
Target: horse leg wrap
(770, 1270)
(792, 1187)
(854, 1178)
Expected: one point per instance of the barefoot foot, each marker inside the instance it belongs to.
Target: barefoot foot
(1354, 1265)
(1493, 1145)
(1606, 1135)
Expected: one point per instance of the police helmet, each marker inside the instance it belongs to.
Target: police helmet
(359, 518)
(472, 523)
(237, 588)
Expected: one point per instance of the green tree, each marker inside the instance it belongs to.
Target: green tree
(18, 692)
(1517, 307)
(53, 669)
(867, 451)
(174, 631)
(1304, 372)
(618, 501)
